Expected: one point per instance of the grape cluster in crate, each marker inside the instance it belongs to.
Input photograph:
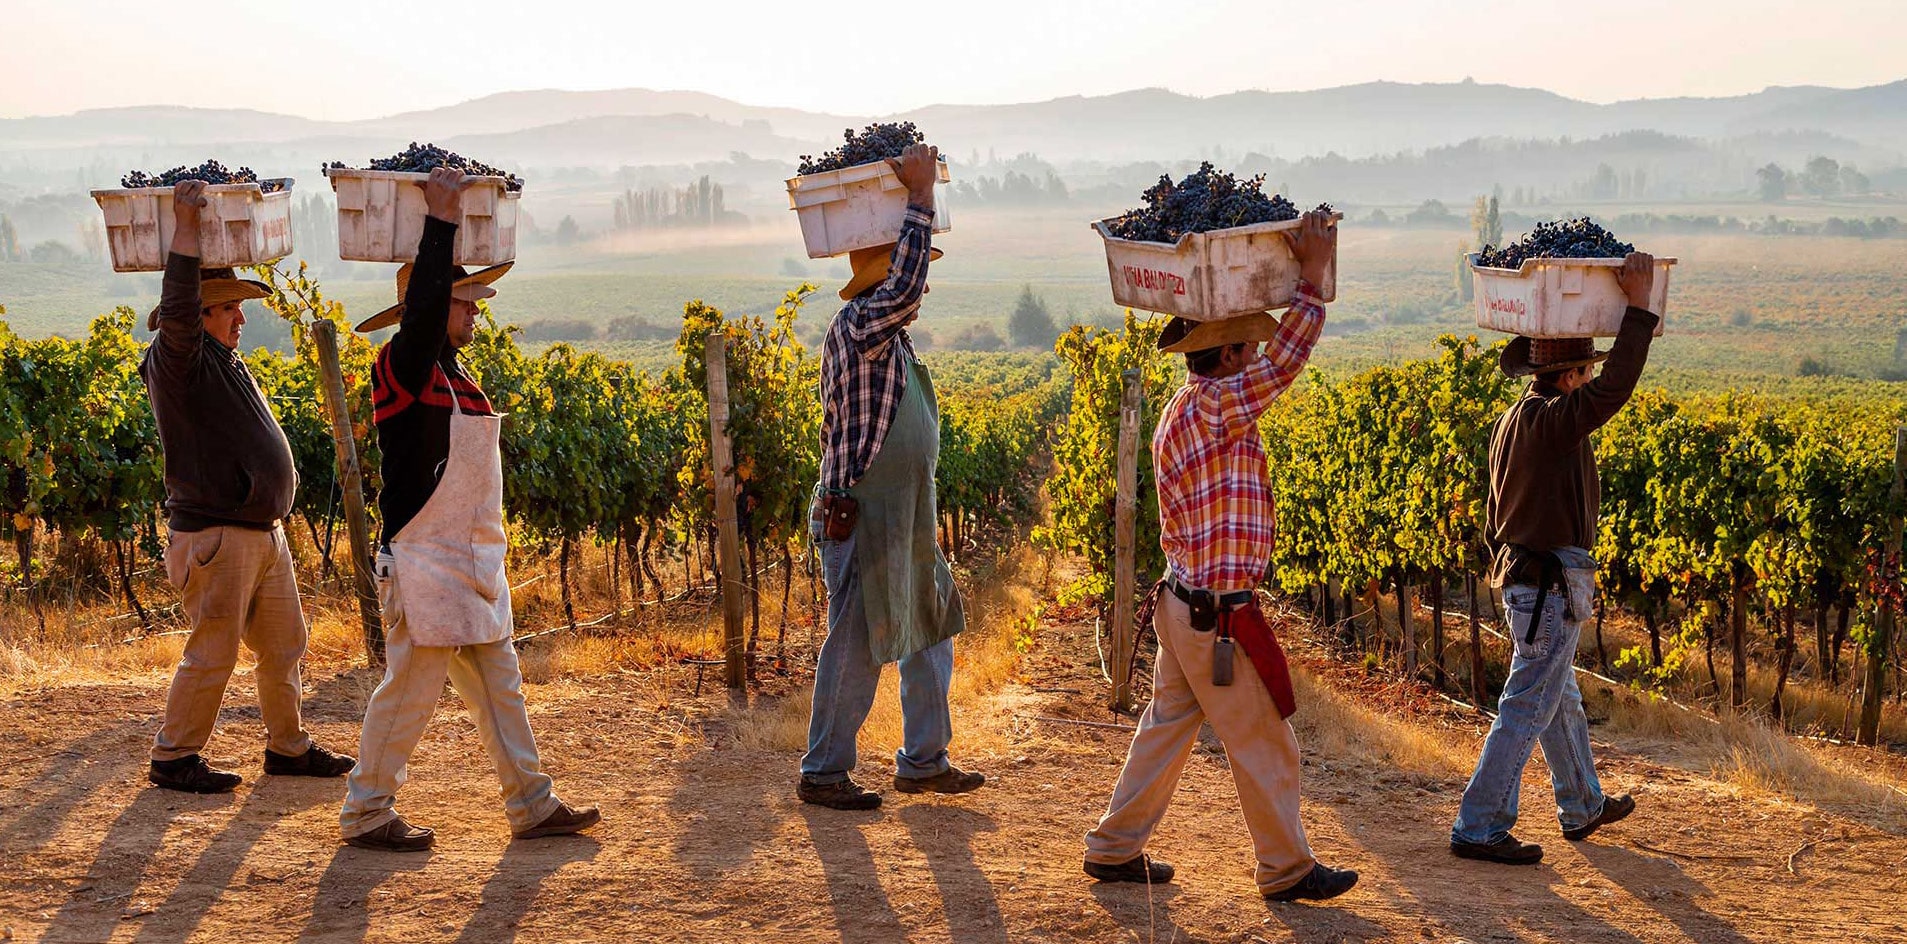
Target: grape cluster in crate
(212, 172)
(1205, 200)
(424, 158)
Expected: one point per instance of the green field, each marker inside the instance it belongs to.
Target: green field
(1742, 305)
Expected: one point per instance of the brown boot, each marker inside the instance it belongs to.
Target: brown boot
(840, 795)
(563, 821)
(394, 836)
(951, 780)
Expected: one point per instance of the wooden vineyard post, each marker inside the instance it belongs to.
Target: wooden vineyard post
(728, 538)
(1125, 509)
(351, 483)
(1883, 631)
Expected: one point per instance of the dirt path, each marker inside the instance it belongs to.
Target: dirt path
(703, 841)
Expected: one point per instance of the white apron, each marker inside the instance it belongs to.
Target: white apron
(448, 561)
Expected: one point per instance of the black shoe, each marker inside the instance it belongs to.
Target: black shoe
(1323, 882)
(191, 774)
(1141, 869)
(951, 780)
(1509, 851)
(844, 795)
(314, 762)
(564, 821)
(394, 836)
(1614, 810)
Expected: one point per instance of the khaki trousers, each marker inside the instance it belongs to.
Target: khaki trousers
(236, 585)
(1259, 744)
(490, 682)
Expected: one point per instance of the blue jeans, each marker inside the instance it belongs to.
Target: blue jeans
(1540, 704)
(847, 675)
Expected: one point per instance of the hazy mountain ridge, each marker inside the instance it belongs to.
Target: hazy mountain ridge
(1352, 120)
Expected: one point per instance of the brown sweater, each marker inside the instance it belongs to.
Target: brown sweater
(1543, 486)
(227, 460)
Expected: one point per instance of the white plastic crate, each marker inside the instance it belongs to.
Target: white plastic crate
(241, 225)
(1213, 275)
(1560, 298)
(381, 217)
(855, 207)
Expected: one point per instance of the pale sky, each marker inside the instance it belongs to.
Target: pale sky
(347, 59)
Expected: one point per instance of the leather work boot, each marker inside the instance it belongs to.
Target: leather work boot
(394, 836)
(563, 821)
(1614, 810)
(1508, 851)
(951, 780)
(1141, 869)
(191, 774)
(845, 795)
(1322, 882)
(315, 762)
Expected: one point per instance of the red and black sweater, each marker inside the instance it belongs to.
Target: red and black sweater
(418, 383)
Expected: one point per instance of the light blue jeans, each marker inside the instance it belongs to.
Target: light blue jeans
(1540, 704)
(847, 675)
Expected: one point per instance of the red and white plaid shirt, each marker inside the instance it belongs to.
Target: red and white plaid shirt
(1216, 520)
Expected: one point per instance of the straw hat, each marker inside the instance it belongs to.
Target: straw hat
(870, 268)
(1183, 337)
(1525, 356)
(216, 287)
(469, 286)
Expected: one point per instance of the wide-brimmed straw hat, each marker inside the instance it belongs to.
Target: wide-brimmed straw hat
(1183, 337)
(469, 286)
(216, 287)
(1525, 356)
(870, 268)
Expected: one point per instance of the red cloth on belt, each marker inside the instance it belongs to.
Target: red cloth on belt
(1247, 625)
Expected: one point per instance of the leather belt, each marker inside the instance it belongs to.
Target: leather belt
(1207, 598)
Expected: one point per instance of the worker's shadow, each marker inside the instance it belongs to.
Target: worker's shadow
(944, 834)
(1661, 884)
(120, 864)
(270, 800)
(513, 887)
(1144, 910)
(862, 912)
(340, 911)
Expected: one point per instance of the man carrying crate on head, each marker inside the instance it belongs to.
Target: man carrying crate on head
(891, 596)
(1216, 525)
(1542, 522)
(229, 485)
(440, 575)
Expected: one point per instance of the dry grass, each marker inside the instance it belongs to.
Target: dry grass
(1753, 756)
(1336, 726)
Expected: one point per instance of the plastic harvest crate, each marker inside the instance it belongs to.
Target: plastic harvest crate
(381, 217)
(855, 207)
(241, 225)
(1560, 298)
(1213, 275)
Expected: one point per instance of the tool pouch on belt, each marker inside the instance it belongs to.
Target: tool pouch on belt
(1516, 564)
(840, 513)
(1247, 624)
(1223, 654)
(1204, 612)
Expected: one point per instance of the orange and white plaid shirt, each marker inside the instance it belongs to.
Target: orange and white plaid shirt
(1216, 518)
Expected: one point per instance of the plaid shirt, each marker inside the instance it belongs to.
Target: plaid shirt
(862, 379)
(1216, 520)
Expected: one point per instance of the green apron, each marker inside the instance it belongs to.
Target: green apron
(907, 590)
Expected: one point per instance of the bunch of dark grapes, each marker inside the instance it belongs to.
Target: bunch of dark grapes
(212, 172)
(424, 158)
(876, 142)
(1557, 239)
(1205, 200)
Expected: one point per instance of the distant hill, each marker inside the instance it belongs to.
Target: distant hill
(1353, 120)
